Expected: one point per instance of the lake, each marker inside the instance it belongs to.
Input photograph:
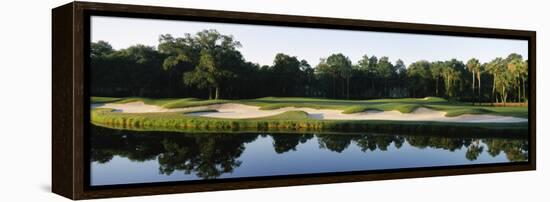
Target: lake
(127, 157)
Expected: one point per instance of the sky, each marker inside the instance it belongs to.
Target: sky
(260, 43)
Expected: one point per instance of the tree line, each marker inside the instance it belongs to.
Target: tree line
(208, 65)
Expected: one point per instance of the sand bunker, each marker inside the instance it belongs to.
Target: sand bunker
(240, 111)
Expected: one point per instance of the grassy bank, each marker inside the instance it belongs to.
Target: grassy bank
(291, 121)
(404, 105)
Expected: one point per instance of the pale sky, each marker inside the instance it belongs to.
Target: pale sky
(260, 43)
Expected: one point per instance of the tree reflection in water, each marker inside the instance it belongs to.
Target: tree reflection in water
(210, 155)
(285, 142)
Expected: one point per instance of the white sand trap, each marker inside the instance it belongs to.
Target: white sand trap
(240, 111)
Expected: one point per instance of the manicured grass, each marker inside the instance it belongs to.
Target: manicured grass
(458, 112)
(104, 99)
(182, 103)
(401, 107)
(268, 103)
(360, 108)
(158, 102)
(404, 105)
(292, 121)
(460, 109)
(289, 115)
(325, 100)
(283, 105)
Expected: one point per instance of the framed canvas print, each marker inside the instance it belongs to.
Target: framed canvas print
(155, 100)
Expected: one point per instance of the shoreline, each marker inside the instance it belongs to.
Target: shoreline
(234, 111)
(178, 122)
(452, 132)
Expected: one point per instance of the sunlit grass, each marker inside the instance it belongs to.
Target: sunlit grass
(291, 120)
(403, 105)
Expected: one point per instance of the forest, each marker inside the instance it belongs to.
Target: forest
(209, 65)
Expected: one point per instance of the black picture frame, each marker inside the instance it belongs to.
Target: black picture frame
(70, 104)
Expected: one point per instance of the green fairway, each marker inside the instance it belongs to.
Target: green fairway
(299, 120)
(404, 105)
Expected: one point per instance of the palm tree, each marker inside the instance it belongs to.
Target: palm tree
(524, 72)
(504, 82)
(451, 76)
(514, 67)
(514, 62)
(473, 66)
(480, 69)
(437, 72)
(495, 68)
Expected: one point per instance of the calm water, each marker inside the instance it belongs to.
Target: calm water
(125, 157)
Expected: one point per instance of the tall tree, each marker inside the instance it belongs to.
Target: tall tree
(324, 68)
(400, 67)
(373, 63)
(516, 68)
(217, 58)
(208, 64)
(307, 77)
(206, 75)
(340, 65)
(363, 63)
(451, 77)
(498, 69)
(178, 50)
(480, 69)
(401, 73)
(436, 71)
(523, 73)
(364, 66)
(419, 76)
(287, 71)
(473, 66)
(385, 70)
(181, 55)
(100, 48)
(460, 68)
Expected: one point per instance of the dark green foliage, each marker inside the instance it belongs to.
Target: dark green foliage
(209, 65)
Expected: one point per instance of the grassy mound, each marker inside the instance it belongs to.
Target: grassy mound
(404, 105)
(291, 121)
(359, 108)
(289, 115)
(104, 99)
(182, 103)
(401, 107)
(279, 106)
(458, 112)
(150, 101)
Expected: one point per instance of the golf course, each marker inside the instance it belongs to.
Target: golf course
(288, 113)
(191, 101)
